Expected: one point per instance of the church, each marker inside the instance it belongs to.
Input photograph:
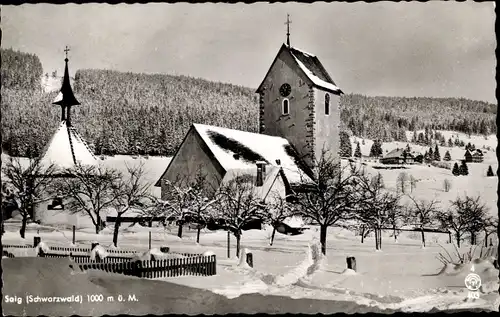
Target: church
(299, 116)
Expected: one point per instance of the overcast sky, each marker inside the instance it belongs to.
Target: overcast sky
(441, 49)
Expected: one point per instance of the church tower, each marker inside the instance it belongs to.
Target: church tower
(299, 101)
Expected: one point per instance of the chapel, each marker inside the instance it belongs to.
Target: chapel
(299, 116)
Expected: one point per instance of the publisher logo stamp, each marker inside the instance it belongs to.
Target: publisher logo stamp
(473, 283)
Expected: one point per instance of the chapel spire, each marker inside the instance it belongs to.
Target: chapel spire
(66, 99)
(288, 22)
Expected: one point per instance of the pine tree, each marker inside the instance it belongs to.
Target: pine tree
(376, 149)
(408, 148)
(357, 152)
(447, 156)
(490, 173)
(450, 143)
(456, 170)
(437, 156)
(345, 145)
(464, 170)
(431, 154)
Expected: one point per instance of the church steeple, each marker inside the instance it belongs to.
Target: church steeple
(66, 99)
(288, 29)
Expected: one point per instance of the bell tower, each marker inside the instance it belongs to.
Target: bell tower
(299, 101)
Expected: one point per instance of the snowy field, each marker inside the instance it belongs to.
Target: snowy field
(402, 276)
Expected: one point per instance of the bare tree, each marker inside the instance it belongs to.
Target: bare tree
(396, 218)
(179, 201)
(490, 227)
(279, 210)
(424, 213)
(203, 204)
(465, 215)
(130, 193)
(401, 182)
(446, 185)
(27, 184)
(90, 190)
(376, 206)
(238, 204)
(330, 197)
(413, 183)
(477, 214)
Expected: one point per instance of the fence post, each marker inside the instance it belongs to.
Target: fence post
(149, 240)
(351, 263)
(250, 259)
(449, 236)
(74, 231)
(36, 241)
(214, 264)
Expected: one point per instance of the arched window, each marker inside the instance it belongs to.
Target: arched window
(286, 106)
(327, 104)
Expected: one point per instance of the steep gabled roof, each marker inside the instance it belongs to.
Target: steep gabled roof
(311, 68)
(238, 150)
(66, 148)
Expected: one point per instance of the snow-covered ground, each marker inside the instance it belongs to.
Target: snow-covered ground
(402, 276)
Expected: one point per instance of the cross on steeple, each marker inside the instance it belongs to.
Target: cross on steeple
(288, 29)
(66, 50)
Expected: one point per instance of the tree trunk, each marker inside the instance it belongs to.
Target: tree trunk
(115, 231)
(423, 236)
(198, 235)
(457, 236)
(322, 238)
(486, 235)
(97, 225)
(362, 233)
(238, 239)
(272, 236)
(376, 239)
(395, 234)
(380, 238)
(472, 238)
(179, 232)
(22, 231)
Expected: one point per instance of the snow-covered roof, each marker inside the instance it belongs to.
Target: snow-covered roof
(250, 148)
(66, 148)
(272, 182)
(314, 70)
(310, 66)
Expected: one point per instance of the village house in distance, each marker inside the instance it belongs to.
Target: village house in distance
(299, 116)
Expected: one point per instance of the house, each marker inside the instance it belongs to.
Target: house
(477, 156)
(299, 116)
(219, 153)
(400, 156)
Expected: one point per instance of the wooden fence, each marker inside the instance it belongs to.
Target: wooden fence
(85, 258)
(12, 246)
(196, 266)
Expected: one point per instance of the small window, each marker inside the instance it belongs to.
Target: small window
(327, 104)
(286, 106)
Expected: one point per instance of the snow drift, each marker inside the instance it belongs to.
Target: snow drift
(98, 251)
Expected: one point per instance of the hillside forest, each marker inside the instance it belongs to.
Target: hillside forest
(133, 113)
